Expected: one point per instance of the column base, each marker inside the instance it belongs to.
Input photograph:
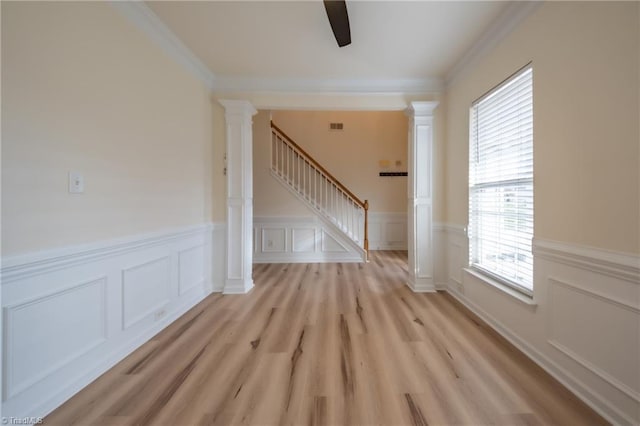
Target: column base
(421, 285)
(237, 286)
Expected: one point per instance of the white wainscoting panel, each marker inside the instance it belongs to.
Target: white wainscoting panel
(274, 240)
(577, 314)
(72, 313)
(145, 290)
(450, 255)
(583, 327)
(303, 240)
(299, 240)
(387, 231)
(215, 256)
(190, 271)
(330, 244)
(63, 326)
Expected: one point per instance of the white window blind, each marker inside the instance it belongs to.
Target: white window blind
(501, 182)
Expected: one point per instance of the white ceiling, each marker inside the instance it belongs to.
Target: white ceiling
(292, 40)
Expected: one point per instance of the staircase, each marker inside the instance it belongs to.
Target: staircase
(332, 202)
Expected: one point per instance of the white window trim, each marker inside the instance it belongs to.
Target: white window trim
(501, 283)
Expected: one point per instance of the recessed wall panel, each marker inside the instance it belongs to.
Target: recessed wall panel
(424, 242)
(329, 244)
(46, 333)
(577, 315)
(303, 240)
(190, 268)
(145, 288)
(396, 232)
(274, 240)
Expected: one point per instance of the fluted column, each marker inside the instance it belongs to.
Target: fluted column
(239, 234)
(420, 197)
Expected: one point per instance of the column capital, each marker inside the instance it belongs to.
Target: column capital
(421, 109)
(238, 107)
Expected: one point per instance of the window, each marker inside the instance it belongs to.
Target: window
(501, 182)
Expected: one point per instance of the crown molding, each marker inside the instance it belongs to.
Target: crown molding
(147, 21)
(506, 22)
(229, 84)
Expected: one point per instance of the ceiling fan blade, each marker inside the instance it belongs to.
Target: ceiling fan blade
(339, 20)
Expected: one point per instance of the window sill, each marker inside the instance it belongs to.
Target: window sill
(522, 298)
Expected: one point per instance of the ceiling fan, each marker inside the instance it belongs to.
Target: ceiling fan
(339, 20)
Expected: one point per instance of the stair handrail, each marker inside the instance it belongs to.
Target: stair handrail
(364, 204)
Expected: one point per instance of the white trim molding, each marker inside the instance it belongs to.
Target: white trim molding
(606, 262)
(22, 266)
(91, 305)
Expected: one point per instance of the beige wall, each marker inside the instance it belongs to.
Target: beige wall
(352, 155)
(84, 90)
(586, 133)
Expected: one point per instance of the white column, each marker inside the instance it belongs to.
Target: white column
(239, 235)
(420, 203)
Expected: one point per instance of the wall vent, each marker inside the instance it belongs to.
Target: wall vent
(336, 126)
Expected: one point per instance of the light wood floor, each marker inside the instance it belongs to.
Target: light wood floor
(332, 344)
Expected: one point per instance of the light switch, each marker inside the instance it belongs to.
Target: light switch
(76, 183)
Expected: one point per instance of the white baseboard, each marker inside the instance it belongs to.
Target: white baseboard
(421, 285)
(238, 286)
(99, 295)
(580, 292)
